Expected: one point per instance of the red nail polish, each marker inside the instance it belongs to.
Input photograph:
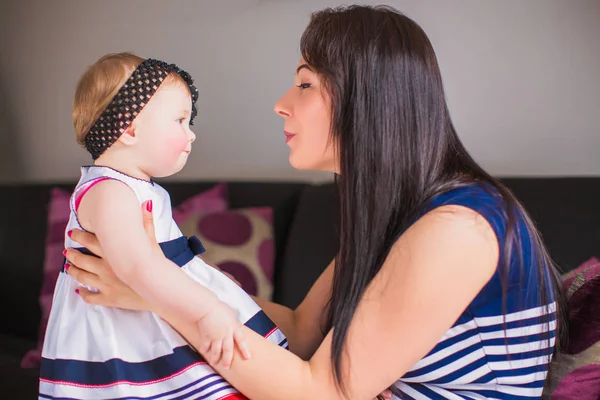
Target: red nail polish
(77, 291)
(67, 267)
(149, 206)
(64, 253)
(69, 233)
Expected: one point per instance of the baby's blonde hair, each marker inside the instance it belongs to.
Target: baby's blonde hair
(99, 84)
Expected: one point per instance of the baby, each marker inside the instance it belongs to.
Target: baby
(134, 116)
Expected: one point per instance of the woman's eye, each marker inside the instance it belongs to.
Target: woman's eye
(304, 85)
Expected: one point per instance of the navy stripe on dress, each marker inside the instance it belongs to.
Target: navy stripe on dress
(181, 250)
(111, 372)
(169, 393)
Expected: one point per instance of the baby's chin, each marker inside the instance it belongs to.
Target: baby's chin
(166, 172)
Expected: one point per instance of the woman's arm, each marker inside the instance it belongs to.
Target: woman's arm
(302, 326)
(281, 315)
(431, 275)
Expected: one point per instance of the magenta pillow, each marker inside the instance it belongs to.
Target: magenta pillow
(239, 242)
(583, 293)
(211, 200)
(58, 217)
(575, 372)
(582, 383)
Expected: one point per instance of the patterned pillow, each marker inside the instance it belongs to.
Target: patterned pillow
(575, 372)
(239, 242)
(583, 294)
(58, 217)
(212, 200)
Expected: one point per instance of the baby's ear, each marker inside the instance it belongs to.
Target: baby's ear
(129, 137)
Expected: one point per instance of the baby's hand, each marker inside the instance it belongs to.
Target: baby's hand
(220, 331)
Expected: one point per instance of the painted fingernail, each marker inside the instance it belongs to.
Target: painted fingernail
(77, 291)
(149, 206)
(67, 267)
(64, 253)
(69, 233)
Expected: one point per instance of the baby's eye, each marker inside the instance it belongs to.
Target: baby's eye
(180, 120)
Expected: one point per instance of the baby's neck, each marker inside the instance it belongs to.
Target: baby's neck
(117, 161)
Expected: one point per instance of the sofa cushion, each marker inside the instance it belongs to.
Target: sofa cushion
(582, 383)
(57, 220)
(583, 293)
(280, 197)
(239, 242)
(575, 370)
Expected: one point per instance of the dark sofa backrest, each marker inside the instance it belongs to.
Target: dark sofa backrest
(566, 210)
(23, 232)
(22, 242)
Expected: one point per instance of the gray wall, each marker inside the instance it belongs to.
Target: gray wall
(522, 79)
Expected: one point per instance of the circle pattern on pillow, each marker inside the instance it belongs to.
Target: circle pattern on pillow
(239, 242)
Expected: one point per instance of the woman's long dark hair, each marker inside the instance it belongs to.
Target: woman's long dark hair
(397, 148)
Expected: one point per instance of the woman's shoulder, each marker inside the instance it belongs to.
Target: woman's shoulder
(483, 199)
(489, 202)
(476, 195)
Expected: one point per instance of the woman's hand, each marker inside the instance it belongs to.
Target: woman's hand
(95, 272)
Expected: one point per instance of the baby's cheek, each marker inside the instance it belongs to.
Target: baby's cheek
(176, 146)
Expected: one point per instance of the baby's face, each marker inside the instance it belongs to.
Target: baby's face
(163, 126)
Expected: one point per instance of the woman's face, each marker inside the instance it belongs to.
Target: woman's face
(306, 109)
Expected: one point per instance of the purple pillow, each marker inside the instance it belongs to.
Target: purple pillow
(239, 242)
(583, 292)
(58, 217)
(212, 200)
(575, 372)
(582, 383)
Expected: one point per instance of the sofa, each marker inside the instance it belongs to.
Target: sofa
(566, 211)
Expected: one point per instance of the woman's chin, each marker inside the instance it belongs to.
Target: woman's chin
(298, 163)
(303, 164)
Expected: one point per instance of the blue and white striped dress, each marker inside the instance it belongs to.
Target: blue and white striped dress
(95, 352)
(489, 354)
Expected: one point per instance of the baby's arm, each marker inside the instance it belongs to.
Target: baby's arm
(111, 210)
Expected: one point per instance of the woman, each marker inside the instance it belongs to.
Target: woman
(442, 287)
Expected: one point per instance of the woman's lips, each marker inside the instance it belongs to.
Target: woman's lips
(288, 136)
